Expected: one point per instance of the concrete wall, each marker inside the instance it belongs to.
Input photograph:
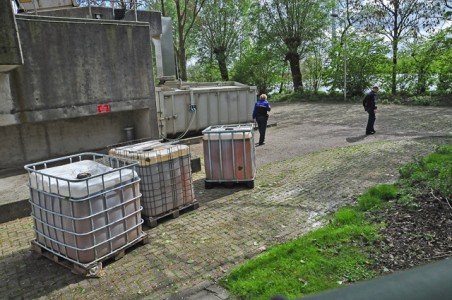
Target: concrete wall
(71, 66)
(6, 101)
(48, 106)
(10, 53)
(40, 141)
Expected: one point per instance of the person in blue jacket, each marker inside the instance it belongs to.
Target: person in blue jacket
(370, 107)
(260, 115)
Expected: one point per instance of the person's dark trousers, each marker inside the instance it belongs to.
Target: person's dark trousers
(262, 125)
(370, 121)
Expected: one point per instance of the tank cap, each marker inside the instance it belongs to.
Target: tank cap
(83, 175)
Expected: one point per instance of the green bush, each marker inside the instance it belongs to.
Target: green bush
(308, 96)
(424, 100)
(389, 99)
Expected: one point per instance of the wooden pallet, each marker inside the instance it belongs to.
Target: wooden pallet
(88, 270)
(154, 221)
(229, 184)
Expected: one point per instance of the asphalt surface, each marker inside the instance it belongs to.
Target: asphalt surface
(315, 160)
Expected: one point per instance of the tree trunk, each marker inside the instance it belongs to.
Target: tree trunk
(181, 55)
(394, 67)
(395, 47)
(162, 4)
(294, 62)
(421, 82)
(221, 59)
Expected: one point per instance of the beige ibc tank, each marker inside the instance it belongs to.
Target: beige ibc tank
(165, 171)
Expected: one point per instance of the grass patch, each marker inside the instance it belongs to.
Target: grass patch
(337, 253)
(319, 260)
(377, 196)
(432, 172)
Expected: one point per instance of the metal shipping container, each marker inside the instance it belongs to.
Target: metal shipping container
(196, 106)
(166, 177)
(85, 207)
(229, 154)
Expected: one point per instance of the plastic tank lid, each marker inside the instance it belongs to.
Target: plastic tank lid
(225, 132)
(65, 180)
(151, 152)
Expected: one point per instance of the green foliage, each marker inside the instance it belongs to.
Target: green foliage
(319, 260)
(308, 96)
(292, 25)
(365, 58)
(222, 29)
(376, 197)
(424, 100)
(385, 98)
(434, 171)
(259, 67)
(204, 71)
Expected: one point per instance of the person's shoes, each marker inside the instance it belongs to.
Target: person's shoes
(260, 144)
(370, 132)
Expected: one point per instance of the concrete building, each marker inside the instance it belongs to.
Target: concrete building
(72, 79)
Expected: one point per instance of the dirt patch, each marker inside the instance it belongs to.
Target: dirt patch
(413, 235)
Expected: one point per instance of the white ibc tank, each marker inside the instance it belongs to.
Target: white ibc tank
(85, 206)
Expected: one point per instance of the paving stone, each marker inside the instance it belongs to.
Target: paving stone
(188, 254)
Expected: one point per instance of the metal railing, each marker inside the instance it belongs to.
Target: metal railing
(118, 4)
(34, 6)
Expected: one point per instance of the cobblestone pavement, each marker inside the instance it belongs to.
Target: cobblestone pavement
(295, 189)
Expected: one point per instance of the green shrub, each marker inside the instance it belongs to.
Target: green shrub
(389, 99)
(424, 100)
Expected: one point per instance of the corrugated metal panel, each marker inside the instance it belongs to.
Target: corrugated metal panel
(194, 108)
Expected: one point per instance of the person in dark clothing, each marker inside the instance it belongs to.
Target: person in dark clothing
(369, 104)
(260, 115)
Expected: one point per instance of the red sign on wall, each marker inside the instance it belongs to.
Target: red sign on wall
(103, 108)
